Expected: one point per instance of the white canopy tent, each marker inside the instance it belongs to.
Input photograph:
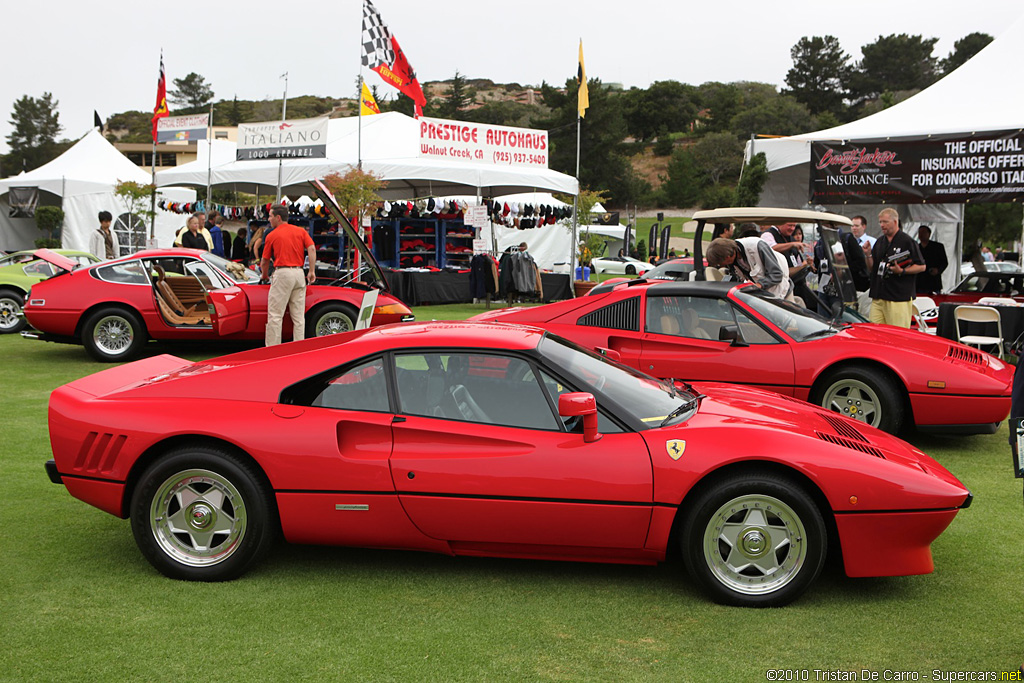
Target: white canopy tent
(390, 149)
(982, 95)
(82, 182)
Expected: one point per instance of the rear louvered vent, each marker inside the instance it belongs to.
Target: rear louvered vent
(98, 453)
(624, 315)
(966, 355)
(844, 428)
(850, 443)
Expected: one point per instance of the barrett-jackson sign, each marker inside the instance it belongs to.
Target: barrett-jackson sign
(301, 138)
(941, 169)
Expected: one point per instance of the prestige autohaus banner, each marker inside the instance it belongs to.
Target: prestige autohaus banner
(296, 139)
(988, 167)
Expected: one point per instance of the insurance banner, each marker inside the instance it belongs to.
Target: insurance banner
(298, 139)
(184, 128)
(987, 167)
(480, 143)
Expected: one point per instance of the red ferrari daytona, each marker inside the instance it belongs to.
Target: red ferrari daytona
(490, 440)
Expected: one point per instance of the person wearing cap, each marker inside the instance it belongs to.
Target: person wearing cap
(284, 245)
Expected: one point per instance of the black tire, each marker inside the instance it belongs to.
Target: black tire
(729, 532)
(864, 394)
(112, 335)
(330, 319)
(11, 303)
(227, 525)
(630, 270)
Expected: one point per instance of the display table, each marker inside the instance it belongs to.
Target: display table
(449, 287)
(1011, 318)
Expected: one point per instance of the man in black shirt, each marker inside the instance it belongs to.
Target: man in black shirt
(894, 262)
(930, 281)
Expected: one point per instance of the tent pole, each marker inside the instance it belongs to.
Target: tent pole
(284, 117)
(575, 209)
(152, 194)
(209, 156)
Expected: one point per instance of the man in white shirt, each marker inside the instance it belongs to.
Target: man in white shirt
(867, 243)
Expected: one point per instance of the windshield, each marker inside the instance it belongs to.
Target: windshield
(236, 272)
(646, 399)
(796, 321)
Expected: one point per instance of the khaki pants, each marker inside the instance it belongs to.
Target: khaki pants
(898, 313)
(287, 290)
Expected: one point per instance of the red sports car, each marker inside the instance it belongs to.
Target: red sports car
(887, 377)
(114, 307)
(490, 440)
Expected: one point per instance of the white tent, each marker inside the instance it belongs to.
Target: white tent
(982, 95)
(390, 149)
(82, 181)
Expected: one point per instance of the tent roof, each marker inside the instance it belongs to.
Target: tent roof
(91, 165)
(982, 95)
(390, 147)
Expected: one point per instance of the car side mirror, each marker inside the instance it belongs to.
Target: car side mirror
(731, 334)
(610, 354)
(581, 404)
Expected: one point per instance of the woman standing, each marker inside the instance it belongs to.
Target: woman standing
(192, 238)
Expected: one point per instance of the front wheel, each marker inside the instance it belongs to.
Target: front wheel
(202, 514)
(331, 319)
(630, 270)
(863, 394)
(10, 312)
(754, 541)
(111, 335)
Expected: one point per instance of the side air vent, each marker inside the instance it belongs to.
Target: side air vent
(844, 428)
(850, 443)
(965, 355)
(98, 452)
(622, 315)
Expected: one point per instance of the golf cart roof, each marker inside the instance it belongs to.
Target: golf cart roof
(763, 215)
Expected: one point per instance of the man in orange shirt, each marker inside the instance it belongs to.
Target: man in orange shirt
(284, 246)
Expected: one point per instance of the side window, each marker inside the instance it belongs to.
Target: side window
(126, 272)
(38, 269)
(554, 389)
(697, 317)
(481, 388)
(363, 387)
(205, 273)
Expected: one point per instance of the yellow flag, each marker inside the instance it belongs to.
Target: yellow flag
(584, 95)
(367, 105)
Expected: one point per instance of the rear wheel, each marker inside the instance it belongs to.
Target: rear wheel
(331, 319)
(112, 334)
(10, 312)
(202, 514)
(754, 541)
(864, 394)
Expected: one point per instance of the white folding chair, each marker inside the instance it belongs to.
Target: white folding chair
(925, 311)
(998, 301)
(979, 314)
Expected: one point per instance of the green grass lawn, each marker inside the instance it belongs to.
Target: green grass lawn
(79, 603)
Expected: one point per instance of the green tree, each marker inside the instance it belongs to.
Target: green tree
(964, 49)
(893, 62)
(602, 161)
(234, 114)
(192, 91)
(459, 97)
(718, 156)
(130, 126)
(719, 103)
(819, 71)
(666, 106)
(755, 175)
(502, 113)
(780, 116)
(990, 225)
(684, 183)
(33, 138)
(49, 219)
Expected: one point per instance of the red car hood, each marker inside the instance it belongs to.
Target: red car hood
(55, 259)
(739, 406)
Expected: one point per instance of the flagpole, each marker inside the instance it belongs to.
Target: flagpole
(359, 147)
(152, 194)
(575, 206)
(284, 117)
(209, 156)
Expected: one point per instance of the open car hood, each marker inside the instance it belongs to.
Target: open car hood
(369, 270)
(55, 259)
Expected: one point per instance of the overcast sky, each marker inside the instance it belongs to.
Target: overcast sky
(105, 56)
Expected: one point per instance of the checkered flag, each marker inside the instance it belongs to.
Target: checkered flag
(377, 48)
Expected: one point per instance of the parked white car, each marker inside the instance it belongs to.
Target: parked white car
(620, 265)
(967, 268)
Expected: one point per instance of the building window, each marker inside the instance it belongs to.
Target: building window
(145, 159)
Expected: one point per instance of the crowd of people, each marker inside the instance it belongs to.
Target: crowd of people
(888, 271)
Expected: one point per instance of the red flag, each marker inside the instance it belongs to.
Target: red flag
(160, 110)
(382, 54)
